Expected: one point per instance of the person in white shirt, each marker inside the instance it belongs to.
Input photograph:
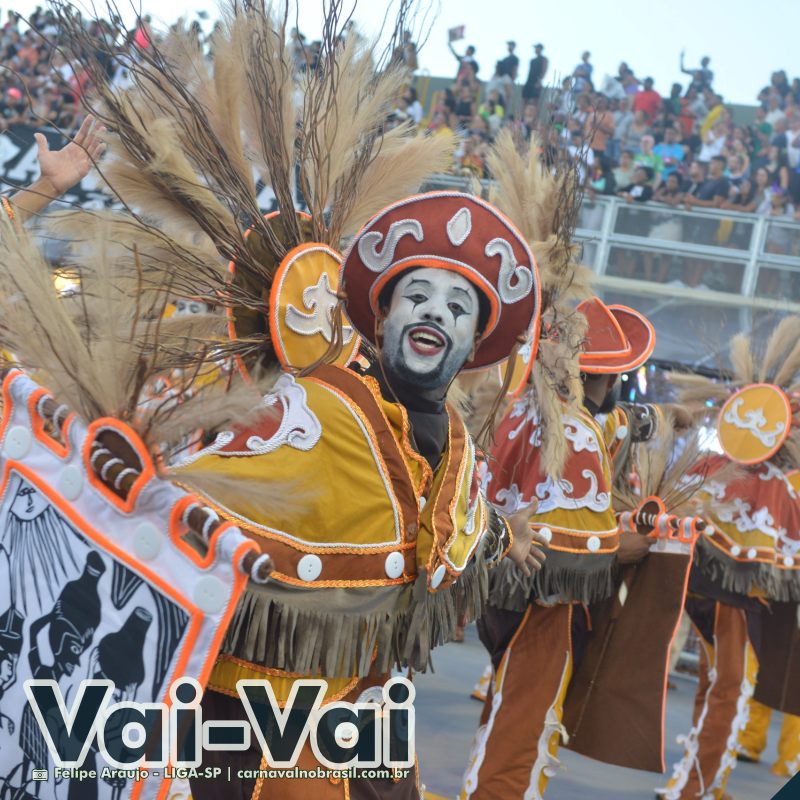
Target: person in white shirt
(413, 106)
(713, 144)
(774, 110)
(793, 142)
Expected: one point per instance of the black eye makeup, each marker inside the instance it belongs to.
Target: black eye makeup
(457, 309)
(416, 298)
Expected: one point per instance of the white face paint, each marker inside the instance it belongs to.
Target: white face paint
(184, 306)
(430, 327)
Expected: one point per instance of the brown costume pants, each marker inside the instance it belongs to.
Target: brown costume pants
(727, 673)
(517, 741)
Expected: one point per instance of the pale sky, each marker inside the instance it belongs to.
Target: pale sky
(746, 40)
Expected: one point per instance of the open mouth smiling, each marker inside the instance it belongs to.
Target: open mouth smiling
(426, 341)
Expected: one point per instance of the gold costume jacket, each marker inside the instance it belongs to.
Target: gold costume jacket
(371, 547)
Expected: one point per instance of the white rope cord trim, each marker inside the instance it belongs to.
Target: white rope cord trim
(121, 477)
(211, 518)
(254, 569)
(110, 463)
(101, 451)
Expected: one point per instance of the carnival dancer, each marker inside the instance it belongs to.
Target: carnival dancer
(529, 626)
(385, 531)
(745, 583)
(753, 739)
(429, 311)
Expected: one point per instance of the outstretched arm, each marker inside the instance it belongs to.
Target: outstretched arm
(527, 545)
(60, 169)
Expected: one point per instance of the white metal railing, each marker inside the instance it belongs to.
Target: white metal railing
(710, 256)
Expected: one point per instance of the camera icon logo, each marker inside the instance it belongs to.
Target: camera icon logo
(39, 774)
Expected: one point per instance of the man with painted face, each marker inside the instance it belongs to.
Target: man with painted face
(385, 532)
(429, 325)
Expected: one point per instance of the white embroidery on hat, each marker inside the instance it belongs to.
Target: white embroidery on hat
(370, 241)
(510, 270)
(459, 227)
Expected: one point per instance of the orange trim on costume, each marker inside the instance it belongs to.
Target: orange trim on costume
(764, 555)
(277, 284)
(405, 442)
(250, 530)
(147, 473)
(61, 449)
(305, 547)
(567, 542)
(456, 449)
(279, 673)
(196, 616)
(7, 400)
(601, 354)
(113, 549)
(437, 551)
(375, 445)
(178, 529)
(7, 208)
(636, 362)
(772, 451)
(668, 654)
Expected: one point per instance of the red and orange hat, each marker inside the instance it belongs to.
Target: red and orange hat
(618, 339)
(457, 232)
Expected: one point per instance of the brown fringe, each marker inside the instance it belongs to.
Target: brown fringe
(336, 632)
(574, 578)
(742, 578)
(509, 589)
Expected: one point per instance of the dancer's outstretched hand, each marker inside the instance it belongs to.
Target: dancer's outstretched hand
(526, 549)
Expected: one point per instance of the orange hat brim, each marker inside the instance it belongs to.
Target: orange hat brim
(641, 336)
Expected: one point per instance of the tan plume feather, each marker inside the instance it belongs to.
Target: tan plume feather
(88, 349)
(215, 404)
(785, 335)
(402, 165)
(742, 358)
(257, 37)
(694, 390)
(522, 187)
(789, 368)
(551, 412)
(246, 495)
(345, 107)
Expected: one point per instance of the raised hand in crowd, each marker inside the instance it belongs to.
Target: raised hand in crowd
(60, 169)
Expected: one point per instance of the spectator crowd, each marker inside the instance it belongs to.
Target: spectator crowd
(683, 148)
(38, 86)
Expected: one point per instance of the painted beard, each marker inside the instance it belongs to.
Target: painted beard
(422, 354)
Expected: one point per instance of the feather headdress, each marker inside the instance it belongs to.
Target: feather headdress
(191, 133)
(98, 349)
(542, 201)
(672, 466)
(776, 362)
